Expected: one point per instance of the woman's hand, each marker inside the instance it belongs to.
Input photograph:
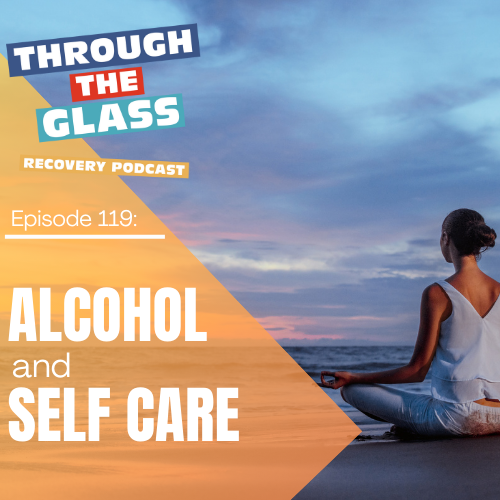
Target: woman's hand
(341, 379)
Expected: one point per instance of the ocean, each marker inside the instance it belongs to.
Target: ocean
(314, 360)
(125, 369)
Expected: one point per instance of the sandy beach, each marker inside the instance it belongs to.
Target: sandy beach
(376, 467)
(379, 465)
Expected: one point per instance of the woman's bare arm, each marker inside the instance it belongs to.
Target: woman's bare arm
(435, 308)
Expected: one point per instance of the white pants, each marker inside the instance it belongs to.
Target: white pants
(422, 414)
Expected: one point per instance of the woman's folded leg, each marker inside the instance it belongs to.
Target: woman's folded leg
(414, 412)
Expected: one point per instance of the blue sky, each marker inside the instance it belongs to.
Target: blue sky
(327, 141)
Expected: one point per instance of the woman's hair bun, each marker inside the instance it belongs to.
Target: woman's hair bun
(468, 231)
(481, 236)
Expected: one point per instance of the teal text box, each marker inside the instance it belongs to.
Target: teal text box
(64, 126)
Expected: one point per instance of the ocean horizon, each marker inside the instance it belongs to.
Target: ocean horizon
(313, 359)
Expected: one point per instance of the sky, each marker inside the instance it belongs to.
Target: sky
(327, 141)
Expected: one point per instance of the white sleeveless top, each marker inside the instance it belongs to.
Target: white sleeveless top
(466, 366)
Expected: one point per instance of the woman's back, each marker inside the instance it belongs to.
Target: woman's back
(466, 365)
(478, 288)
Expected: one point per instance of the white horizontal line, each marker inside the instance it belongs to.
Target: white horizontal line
(84, 236)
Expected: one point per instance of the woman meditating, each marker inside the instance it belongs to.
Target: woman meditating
(459, 334)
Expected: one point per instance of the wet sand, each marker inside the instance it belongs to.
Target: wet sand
(382, 468)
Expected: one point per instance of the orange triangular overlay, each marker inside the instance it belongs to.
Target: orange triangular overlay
(289, 429)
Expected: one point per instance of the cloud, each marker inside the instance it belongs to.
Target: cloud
(336, 328)
(228, 261)
(327, 141)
